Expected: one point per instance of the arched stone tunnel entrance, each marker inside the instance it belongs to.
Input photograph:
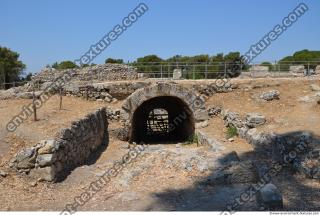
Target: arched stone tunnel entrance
(162, 113)
(163, 118)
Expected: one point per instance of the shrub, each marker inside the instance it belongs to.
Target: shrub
(193, 139)
(231, 132)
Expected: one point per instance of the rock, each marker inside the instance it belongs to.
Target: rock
(65, 134)
(242, 132)
(262, 142)
(177, 74)
(203, 139)
(255, 119)
(106, 95)
(128, 196)
(230, 139)
(8, 94)
(113, 114)
(114, 100)
(201, 115)
(234, 173)
(306, 99)
(202, 166)
(229, 158)
(315, 87)
(3, 173)
(270, 197)
(214, 111)
(25, 159)
(33, 184)
(271, 95)
(44, 160)
(125, 145)
(29, 95)
(138, 85)
(202, 124)
(46, 173)
(232, 119)
(310, 98)
(24, 154)
(318, 102)
(47, 148)
(297, 69)
(107, 99)
(122, 134)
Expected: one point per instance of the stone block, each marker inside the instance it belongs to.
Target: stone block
(177, 74)
(270, 197)
(201, 115)
(255, 119)
(46, 173)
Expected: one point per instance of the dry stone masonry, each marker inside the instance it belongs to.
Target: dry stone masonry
(50, 160)
(104, 72)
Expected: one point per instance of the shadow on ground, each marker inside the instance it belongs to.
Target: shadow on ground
(298, 192)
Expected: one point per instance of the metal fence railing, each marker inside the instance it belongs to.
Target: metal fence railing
(225, 69)
(4, 86)
(212, 70)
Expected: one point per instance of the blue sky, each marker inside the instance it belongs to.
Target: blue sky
(44, 31)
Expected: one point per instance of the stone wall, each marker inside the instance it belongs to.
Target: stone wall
(52, 159)
(104, 72)
(104, 91)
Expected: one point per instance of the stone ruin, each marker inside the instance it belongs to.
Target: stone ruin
(104, 72)
(184, 109)
(173, 98)
(52, 159)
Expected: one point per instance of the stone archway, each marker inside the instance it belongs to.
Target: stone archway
(183, 107)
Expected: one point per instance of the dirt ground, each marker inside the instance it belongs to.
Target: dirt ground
(166, 176)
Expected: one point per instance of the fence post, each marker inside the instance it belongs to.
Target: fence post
(206, 71)
(308, 72)
(193, 73)
(225, 70)
(161, 71)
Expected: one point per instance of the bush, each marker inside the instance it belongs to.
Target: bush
(193, 139)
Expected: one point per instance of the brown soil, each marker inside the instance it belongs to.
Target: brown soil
(149, 183)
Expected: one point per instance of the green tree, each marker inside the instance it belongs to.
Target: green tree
(10, 66)
(149, 59)
(111, 60)
(306, 57)
(64, 65)
(234, 64)
(149, 63)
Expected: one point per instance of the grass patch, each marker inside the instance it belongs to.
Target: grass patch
(192, 140)
(231, 132)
